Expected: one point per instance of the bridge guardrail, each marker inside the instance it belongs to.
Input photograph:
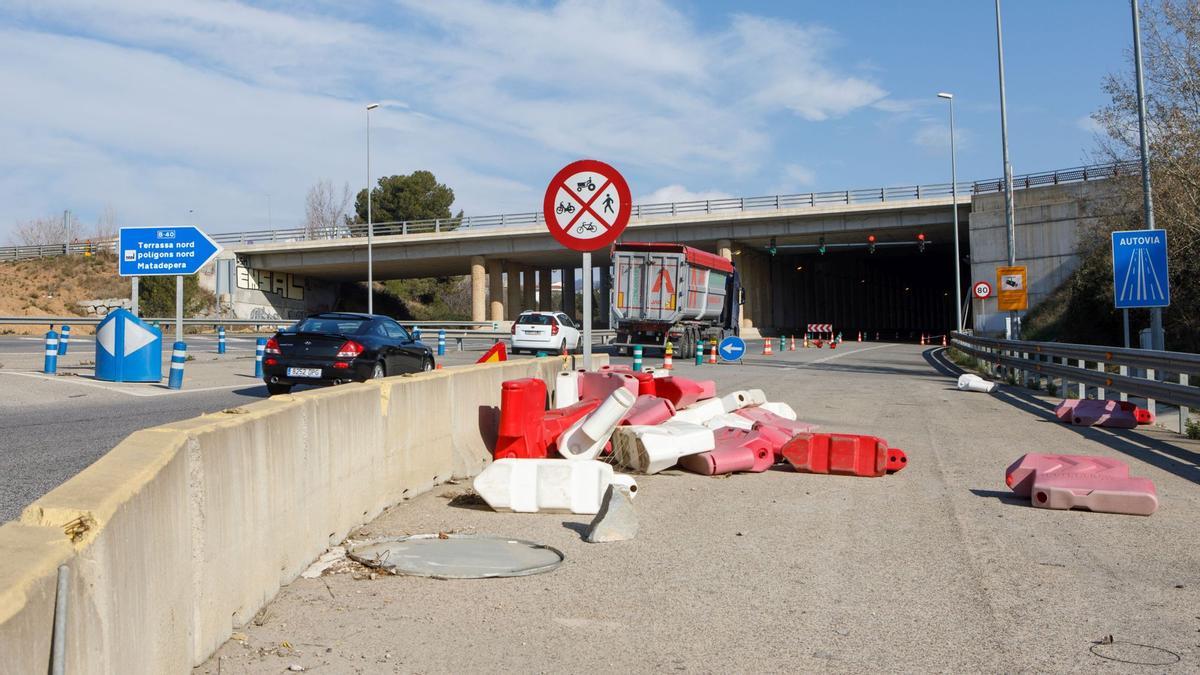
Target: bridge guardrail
(89, 321)
(1143, 373)
(706, 206)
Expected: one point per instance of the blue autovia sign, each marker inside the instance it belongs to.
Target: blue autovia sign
(732, 348)
(1140, 269)
(163, 251)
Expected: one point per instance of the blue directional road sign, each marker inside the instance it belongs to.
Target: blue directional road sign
(732, 348)
(1140, 269)
(163, 251)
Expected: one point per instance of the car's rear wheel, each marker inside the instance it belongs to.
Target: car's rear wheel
(427, 364)
(274, 389)
(380, 371)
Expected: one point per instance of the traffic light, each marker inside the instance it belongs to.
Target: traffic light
(771, 249)
(821, 246)
(870, 243)
(921, 242)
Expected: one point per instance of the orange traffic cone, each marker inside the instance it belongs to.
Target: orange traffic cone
(712, 353)
(943, 340)
(668, 357)
(767, 347)
(792, 347)
(860, 336)
(922, 338)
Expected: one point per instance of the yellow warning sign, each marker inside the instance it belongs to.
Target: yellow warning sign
(1012, 292)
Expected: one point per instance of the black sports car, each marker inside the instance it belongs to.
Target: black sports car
(337, 347)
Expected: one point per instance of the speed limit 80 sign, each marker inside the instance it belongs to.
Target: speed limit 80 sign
(982, 290)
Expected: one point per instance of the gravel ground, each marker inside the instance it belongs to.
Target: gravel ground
(936, 568)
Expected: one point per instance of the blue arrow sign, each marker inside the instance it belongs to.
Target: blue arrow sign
(1140, 269)
(163, 251)
(732, 348)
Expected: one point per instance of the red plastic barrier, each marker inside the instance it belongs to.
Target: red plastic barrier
(845, 454)
(598, 386)
(775, 436)
(649, 410)
(1092, 412)
(527, 429)
(646, 384)
(682, 392)
(736, 450)
(1019, 476)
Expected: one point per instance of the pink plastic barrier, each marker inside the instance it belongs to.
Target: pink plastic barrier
(649, 410)
(598, 386)
(682, 392)
(615, 368)
(1019, 476)
(775, 436)
(736, 450)
(1092, 412)
(768, 418)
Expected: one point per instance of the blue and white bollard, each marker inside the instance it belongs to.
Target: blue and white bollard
(417, 333)
(442, 342)
(220, 339)
(64, 340)
(637, 358)
(51, 365)
(178, 357)
(258, 356)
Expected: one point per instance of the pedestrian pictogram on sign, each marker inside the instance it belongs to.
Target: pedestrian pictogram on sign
(587, 205)
(1011, 292)
(982, 290)
(1140, 269)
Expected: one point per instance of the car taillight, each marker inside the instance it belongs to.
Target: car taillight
(349, 350)
(272, 347)
(554, 328)
(271, 362)
(514, 329)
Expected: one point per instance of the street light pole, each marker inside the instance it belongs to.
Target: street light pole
(370, 222)
(1008, 186)
(958, 320)
(1156, 327)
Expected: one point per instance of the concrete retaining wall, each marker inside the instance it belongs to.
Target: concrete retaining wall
(184, 531)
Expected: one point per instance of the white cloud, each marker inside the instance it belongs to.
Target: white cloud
(1088, 124)
(798, 176)
(935, 138)
(678, 193)
(158, 108)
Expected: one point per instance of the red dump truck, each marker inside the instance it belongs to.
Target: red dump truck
(672, 292)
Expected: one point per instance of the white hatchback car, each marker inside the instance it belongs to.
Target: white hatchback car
(544, 332)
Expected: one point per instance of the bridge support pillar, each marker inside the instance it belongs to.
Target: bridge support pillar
(545, 290)
(495, 270)
(605, 300)
(725, 250)
(528, 289)
(512, 305)
(478, 289)
(568, 292)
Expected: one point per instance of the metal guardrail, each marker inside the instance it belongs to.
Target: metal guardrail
(706, 206)
(1031, 361)
(93, 320)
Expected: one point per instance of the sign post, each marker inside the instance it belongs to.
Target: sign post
(586, 207)
(1139, 272)
(164, 251)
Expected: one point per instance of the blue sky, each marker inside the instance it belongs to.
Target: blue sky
(150, 108)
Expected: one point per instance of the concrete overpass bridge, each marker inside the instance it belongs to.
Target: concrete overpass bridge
(899, 287)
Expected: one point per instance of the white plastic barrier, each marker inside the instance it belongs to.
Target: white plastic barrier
(782, 409)
(586, 438)
(533, 485)
(969, 382)
(700, 412)
(743, 398)
(729, 420)
(650, 449)
(566, 389)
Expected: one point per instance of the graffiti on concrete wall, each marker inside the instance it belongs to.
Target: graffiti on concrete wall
(283, 284)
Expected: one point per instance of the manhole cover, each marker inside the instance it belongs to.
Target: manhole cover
(1134, 653)
(458, 556)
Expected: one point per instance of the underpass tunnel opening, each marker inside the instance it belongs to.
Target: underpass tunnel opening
(897, 292)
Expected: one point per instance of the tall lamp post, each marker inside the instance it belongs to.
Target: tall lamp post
(1008, 186)
(1156, 327)
(370, 222)
(958, 320)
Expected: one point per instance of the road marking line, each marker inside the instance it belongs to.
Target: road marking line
(164, 391)
(847, 353)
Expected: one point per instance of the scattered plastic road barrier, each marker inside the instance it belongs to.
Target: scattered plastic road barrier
(527, 429)
(740, 399)
(779, 408)
(260, 346)
(616, 521)
(699, 413)
(765, 417)
(650, 449)
(1102, 413)
(566, 389)
(457, 556)
(534, 485)
(735, 450)
(843, 454)
(682, 392)
(648, 410)
(602, 384)
(64, 341)
(178, 358)
(1019, 476)
(729, 420)
(50, 363)
(969, 382)
(587, 437)
(646, 383)
(220, 339)
(1081, 482)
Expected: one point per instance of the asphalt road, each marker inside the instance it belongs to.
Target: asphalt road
(936, 568)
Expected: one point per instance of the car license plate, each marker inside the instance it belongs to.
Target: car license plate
(304, 372)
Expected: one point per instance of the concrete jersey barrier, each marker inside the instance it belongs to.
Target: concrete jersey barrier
(183, 532)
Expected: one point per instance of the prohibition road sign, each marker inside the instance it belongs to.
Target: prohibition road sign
(587, 205)
(982, 290)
